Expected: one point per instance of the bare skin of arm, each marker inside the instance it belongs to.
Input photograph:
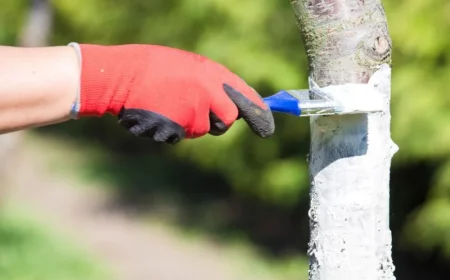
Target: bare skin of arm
(37, 86)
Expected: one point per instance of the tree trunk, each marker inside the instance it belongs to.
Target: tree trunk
(37, 30)
(347, 41)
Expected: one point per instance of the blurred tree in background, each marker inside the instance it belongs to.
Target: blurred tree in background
(243, 184)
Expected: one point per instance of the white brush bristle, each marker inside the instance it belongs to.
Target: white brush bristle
(355, 98)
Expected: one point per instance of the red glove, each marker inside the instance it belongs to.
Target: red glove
(167, 94)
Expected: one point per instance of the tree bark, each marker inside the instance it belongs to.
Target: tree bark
(347, 41)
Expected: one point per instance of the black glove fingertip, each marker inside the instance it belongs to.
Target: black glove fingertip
(260, 120)
(147, 124)
(217, 126)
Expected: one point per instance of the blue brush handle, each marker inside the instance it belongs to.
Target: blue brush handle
(283, 102)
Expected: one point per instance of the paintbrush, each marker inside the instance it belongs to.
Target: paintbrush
(332, 100)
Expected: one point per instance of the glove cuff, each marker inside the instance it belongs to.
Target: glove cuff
(75, 109)
(104, 81)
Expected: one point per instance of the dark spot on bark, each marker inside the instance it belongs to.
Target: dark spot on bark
(381, 45)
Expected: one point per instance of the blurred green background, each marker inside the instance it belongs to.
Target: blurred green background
(239, 188)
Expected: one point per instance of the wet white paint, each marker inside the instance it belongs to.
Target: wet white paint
(349, 217)
(350, 97)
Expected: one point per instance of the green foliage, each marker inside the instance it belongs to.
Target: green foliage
(29, 252)
(259, 45)
(420, 122)
(11, 16)
(429, 226)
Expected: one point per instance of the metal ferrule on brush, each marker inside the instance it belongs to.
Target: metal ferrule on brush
(319, 107)
(332, 100)
(312, 103)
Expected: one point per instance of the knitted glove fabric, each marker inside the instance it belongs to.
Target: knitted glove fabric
(167, 94)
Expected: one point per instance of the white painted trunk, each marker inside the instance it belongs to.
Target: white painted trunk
(349, 165)
(347, 41)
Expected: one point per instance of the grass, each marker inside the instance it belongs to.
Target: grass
(32, 251)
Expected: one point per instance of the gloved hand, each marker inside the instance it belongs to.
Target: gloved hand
(166, 94)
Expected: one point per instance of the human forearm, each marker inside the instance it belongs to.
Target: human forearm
(157, 92)
(38, 86)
